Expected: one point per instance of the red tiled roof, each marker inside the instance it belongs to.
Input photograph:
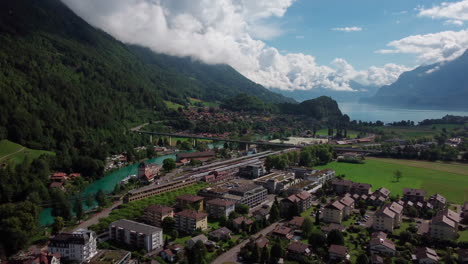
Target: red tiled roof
(338, 250)
(192, 214)
(297, 221)
(157, 208)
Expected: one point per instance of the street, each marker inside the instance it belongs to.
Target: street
(95, 218)
(230, 256)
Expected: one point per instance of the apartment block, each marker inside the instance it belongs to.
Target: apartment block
(79, 246)
(217, 208)
(155, 214)
(136, 234)
(190, 220)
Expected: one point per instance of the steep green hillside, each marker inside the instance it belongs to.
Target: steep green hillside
(12, 153)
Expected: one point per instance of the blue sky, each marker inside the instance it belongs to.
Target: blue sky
(381, 22)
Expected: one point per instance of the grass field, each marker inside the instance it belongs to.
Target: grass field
(12, 153)
(172, 105)
(351, 133)
(419, 131)
(379, 173)
(207, 104)
(457, 168)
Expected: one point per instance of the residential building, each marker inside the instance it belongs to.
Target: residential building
(282, 231)
(360, 188)
(217, 208)
(341, 186)
(296, 222)
(414, 195)
(252, 171)
(148, 172)
(78, 246)
(338, 252)
(191, 242)
(200, 156)
(379, 244)
(136, 234)
(388, 217)
(302, 200)
(39, 258)
(382, 192)
(155, 214)
(277, 181)
(168, 255)
(348, 202)
(320, 176)
(425, 256)
(444, 225)
(219, 234)
(463, 255)
(190, 220)
(239, 221)
(333, 212)
(438, 201)
(262, 213)
(111, 257)
(297, 249)
(251, 194)
(189, 201)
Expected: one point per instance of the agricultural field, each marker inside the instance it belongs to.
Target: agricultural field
(172, 105)
(134, 210)
(380, 173)
(206, 104)
(418, 131)
(12, 153)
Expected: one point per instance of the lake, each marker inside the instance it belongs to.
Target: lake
(386, 114)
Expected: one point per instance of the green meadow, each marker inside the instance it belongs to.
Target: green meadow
(12, 153)
(380, 173)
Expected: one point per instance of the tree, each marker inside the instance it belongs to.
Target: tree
(168, 224)
(335, 237)
(317, 217)
(397, 174)
(307, 227)
(277, 251)
(317, 239)
(169, 164)
(101, 198)
(362, 259)
(58, 225)
(265, 257)
(197, 254)
(362, 212)
(255, 257)
(78, 208)
(89, 201)
(174, 234)
(274, 212)
(242, 209)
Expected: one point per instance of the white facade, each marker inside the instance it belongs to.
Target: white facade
(136, 234)
(78, 246)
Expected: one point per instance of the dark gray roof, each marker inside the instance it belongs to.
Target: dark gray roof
(135, 226)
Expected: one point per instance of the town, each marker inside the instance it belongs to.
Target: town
(250, 209)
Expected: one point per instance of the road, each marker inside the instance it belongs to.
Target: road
(95, 218)
(230, 256)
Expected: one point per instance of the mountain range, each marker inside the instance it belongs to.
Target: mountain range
(441, 85)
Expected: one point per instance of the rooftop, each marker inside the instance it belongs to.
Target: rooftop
(109, 256)
(157, 208)
(192, 214)
(338, 250)
(190, 198)
(135, 226)
(220, 202)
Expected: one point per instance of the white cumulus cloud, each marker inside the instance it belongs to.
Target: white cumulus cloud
(224, 31)
(347, 29)
(454, 12)
(431, 48)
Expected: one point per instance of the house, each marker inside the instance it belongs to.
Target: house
(438, 201)
(333, 212)
(297, 249)
(463, 255)
(360, 188)
(379, 244)
(111, 257)
(191, 242)
(262, 213)
(296, 222)
(252, 171)
(168, 255)
(190, 201)
(261, 241)
(148, 172)
(58, 185)
(382, 192)
(302, 201)
(136, 234)
(155, 214)
(388, 217)
(200, 156)
(222, 233)
(326, 229)
(444, 225)
(250, 194)
(348, 202)
(341, 186)
(425, 256)
(217, 208)
(58, 177)
(79, 246)
(338, 253)
(282, 232)
(376, 259)
(39, 258)
(414, 195)
(190, 220)
(239, 221)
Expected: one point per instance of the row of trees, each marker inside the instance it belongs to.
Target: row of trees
(309, 156)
